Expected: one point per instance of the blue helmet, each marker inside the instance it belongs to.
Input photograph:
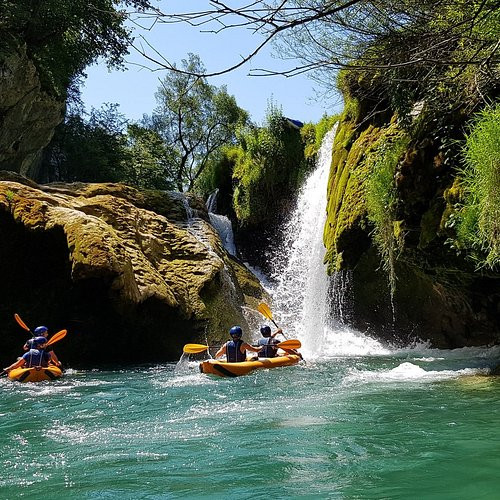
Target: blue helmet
(40, 330)
(265, 330)
(39, 341)
(236, 331)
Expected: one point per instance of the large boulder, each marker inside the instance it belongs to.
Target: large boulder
(133, 275)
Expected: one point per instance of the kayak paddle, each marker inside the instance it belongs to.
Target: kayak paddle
(57, 336)
(22, 324)
(266, 312)
(197, 348)
(194, 348)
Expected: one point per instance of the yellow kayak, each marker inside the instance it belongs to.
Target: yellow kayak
(35, 374)
(225, 369)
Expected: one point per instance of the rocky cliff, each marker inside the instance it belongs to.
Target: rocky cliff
(133, 275)
(407, 281)
(28, 114)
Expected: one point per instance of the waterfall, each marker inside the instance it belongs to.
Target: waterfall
(302, 293)
(221, 224)
(212, 201)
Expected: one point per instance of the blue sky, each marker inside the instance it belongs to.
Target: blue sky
(134, 89)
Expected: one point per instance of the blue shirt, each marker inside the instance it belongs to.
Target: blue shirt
(35, 357)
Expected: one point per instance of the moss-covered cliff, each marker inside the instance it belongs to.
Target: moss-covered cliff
(394, 191)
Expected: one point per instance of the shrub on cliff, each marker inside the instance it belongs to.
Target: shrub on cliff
(269, 167)
(478, 227)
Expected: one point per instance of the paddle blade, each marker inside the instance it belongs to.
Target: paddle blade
(21, 323)
(290, 344)
(57, 336)
(265, 311)
(194, 348)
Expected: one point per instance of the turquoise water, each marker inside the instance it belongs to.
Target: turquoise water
(402, 425)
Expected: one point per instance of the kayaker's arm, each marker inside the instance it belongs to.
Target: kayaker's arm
(249, 347)
(221, 351)
(20, 362)
(277, 332)
(54, 359)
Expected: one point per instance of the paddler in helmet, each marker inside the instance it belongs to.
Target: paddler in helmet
(268, 343)
(42, 331)
(235, 349)
(36, 356)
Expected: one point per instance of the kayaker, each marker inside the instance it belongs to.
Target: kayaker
(267, 343)
(42, 331)
(39, 331)
(36, 356)
(235, 350)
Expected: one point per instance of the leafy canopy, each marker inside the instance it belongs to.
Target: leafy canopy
(195, 119)
(64, 36)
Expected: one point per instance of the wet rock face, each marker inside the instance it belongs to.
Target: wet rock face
(449, 310)
(28, 115)
(439, 295)
(121, 269)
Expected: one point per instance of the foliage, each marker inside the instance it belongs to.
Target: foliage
(88, 150)
(64, 36)
(312, 135)
(150, 162)
(269, 168)
(195, 119)
(381, 201)
(104, 147)
(408, 51)
(218, 172)
(478, 227)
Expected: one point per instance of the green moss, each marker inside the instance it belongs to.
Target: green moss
(430, 224)
(356, 157)
(268, 171)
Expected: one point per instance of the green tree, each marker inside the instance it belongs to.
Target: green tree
(195, 119)
(89, 149)
(150, 162)
(62, 37)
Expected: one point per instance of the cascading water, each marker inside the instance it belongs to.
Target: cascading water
(221, 224)
(223, 227)
(303, 292)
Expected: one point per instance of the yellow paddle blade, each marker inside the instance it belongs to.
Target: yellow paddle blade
(265, 311)
(21, 323)
(57, 336)
(194, 348)
(290, 344)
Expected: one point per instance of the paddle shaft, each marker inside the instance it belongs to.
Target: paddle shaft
(199, 348)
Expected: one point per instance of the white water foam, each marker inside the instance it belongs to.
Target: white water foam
(407, 371)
